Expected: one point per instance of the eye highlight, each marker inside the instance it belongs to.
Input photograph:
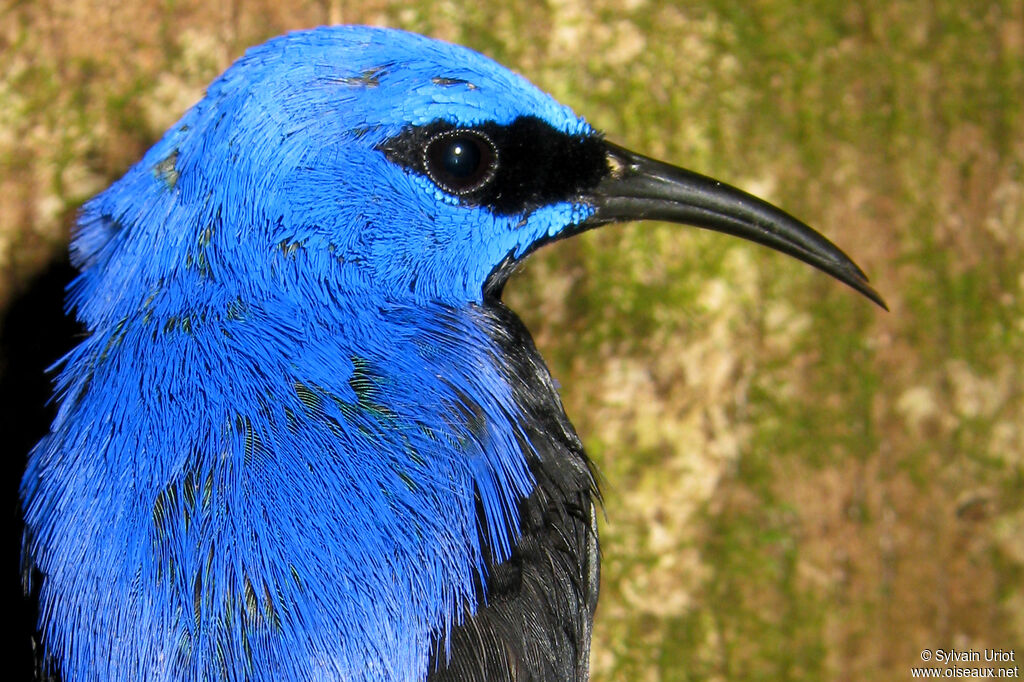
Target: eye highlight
(460, 161)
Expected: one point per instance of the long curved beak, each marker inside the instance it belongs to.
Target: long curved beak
(641, 188)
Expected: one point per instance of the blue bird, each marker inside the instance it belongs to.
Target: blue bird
(304, 439)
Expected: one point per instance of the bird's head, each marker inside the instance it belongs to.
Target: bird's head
(359, 162)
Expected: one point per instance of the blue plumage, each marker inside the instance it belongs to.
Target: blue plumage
(301, 439)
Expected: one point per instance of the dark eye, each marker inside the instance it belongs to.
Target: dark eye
(460, 161)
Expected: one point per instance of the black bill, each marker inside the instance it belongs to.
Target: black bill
(641, 188)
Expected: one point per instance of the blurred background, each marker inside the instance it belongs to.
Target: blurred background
(798, 485)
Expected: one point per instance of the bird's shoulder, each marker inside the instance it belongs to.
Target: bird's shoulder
(537, 609)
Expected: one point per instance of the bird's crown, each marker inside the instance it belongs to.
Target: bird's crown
(347, 160)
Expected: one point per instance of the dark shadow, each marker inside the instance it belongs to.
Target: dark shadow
(34, 333)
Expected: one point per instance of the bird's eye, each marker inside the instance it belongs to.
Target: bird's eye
(460, 161)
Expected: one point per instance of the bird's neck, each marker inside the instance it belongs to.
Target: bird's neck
(277, 486)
